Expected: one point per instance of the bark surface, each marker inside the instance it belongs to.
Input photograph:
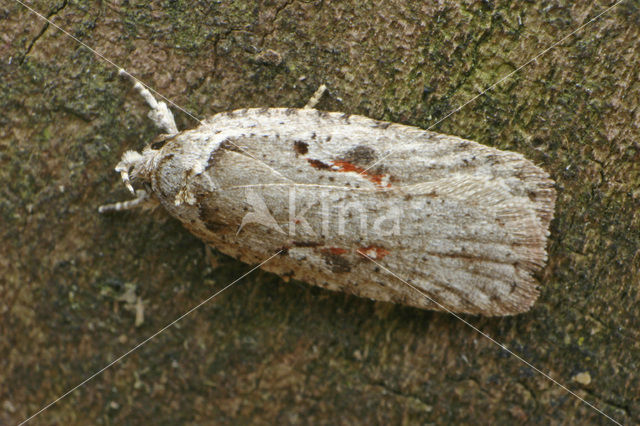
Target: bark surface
(79, 289)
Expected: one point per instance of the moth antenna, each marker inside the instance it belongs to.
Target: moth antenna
(160, 113)
(142, 198)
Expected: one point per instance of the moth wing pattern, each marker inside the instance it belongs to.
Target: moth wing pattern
(465, 223)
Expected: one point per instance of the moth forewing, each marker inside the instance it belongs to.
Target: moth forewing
(380, 210)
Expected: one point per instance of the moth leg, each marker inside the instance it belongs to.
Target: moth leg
(316, 97)
(129, 160)
(160, 114)
(142, 200)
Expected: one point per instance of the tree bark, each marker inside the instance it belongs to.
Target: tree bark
(75, 283)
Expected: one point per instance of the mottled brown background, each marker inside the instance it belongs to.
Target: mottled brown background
(267, 351)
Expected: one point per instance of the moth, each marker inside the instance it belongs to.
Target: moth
(376, 209)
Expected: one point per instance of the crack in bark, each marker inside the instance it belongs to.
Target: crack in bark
(43, 30)
(273, 21)
(615, 405)
(534, 396)
(380, 384)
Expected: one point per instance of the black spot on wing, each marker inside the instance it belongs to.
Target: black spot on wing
(318, 164)
(301, 148)
(360, 155)
(336, 263)
(160, 141)
(230, 146)
(210, 217)
(306, 244)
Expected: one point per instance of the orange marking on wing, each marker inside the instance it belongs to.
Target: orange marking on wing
(345, 166)
(335, 250)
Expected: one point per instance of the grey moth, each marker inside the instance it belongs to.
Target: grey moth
(376, 209)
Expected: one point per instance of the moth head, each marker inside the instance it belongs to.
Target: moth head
(136, 165)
